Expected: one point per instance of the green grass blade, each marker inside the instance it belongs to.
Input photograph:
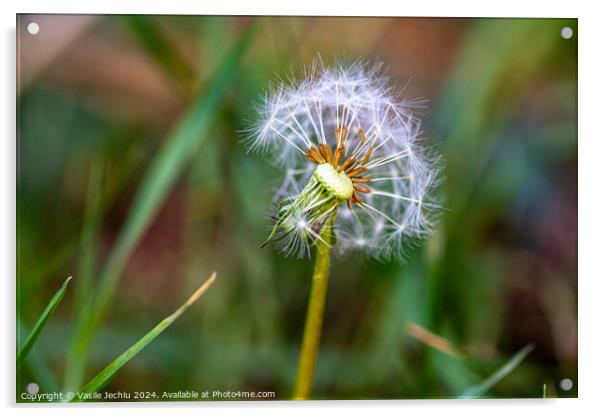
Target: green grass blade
(37, 329)
(89, 235)
(160, 176)
(87, 262)
(106, 375)
(159, 49)
(481, 388)
(37, 367)
(545, 391)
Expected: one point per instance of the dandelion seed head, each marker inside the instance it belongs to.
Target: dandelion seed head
(349, 117)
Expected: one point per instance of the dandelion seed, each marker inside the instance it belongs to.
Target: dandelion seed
(350, 149)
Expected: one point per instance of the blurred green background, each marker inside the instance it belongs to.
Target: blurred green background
(132, 178)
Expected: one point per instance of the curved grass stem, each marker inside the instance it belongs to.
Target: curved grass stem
(314, 318)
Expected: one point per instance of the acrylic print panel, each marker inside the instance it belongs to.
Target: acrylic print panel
(276, 208)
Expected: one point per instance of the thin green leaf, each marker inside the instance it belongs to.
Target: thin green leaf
(154, 188)
(106, 375)
(37, 366)
(89, 236)
(37, 329)
(87, 258)
(160, 49)
(545, 388)
(481, 388)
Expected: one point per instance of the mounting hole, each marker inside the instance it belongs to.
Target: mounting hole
(566, 384)
(566, 32)
(32, 388)
(33, 28)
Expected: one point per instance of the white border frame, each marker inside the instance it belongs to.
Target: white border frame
(590, 220)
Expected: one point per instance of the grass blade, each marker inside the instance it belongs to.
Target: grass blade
(160, 49)
(481, 388)
(37, 367)
(160, 176)
(37, 329)
(106, 375)
(89, 236)
(87, 262)
(433, 340)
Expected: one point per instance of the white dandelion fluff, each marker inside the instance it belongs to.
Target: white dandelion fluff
(353, 161)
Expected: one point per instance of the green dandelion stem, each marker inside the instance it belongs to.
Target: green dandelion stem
(314, 317)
